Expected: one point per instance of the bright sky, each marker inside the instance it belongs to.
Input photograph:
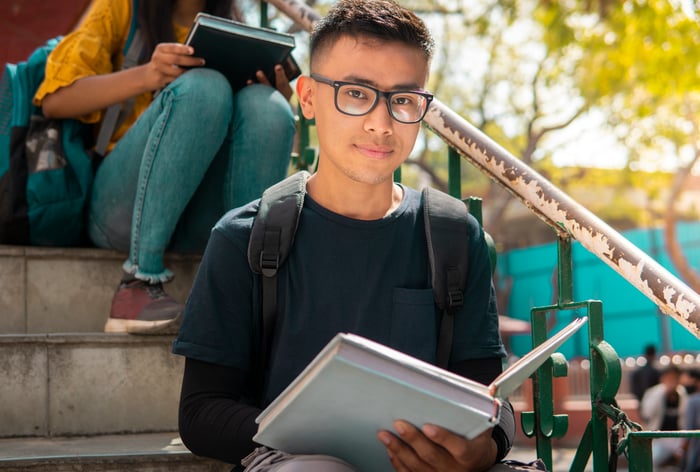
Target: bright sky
(586, 143)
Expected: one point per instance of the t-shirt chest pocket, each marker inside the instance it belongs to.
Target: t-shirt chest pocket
(414, 322)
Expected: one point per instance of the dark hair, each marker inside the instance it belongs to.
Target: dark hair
(384, 20)
(155, 20)
(694, 373)
(671, 369)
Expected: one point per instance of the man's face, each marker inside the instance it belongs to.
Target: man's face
(366, 148)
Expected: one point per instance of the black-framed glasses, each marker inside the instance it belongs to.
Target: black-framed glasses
(405, 106)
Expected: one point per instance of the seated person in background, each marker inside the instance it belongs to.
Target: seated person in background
(662, 408)
(645, 376)
(189, 151)
(359, 262)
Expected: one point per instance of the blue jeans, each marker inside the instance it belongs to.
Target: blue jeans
(196, 152)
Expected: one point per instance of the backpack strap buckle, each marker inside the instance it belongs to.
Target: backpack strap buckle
(270, 252)
(455, 293)
(269, 263)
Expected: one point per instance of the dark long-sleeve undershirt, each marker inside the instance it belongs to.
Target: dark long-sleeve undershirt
(216, 421)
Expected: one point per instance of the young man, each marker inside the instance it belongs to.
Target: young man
(359, 262)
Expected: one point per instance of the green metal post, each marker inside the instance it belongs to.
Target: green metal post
(640, 456)
(605, 376)
(264, 19)
(474, 205)
(583, 452)
(565, 271)
(542, 422)
(542, 393)
(454, 173)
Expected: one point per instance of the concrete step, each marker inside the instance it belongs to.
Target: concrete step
(69, 290)
(153, 452)
(87, 384)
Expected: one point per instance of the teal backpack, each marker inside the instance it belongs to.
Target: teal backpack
(46, 166)
(44, 183)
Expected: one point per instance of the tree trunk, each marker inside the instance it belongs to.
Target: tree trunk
(674, 249)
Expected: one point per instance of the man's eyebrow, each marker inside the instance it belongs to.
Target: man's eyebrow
(371, 83)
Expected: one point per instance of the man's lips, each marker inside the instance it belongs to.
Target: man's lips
(375, 151)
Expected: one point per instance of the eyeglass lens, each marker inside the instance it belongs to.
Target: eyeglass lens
(407, 107)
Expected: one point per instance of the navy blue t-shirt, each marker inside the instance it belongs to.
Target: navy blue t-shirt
(370, 278)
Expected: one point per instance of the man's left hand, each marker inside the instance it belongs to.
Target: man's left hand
(432, 448)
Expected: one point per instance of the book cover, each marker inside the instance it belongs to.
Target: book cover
(238, 50)
(354, 387)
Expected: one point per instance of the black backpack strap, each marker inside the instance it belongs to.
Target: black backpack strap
(271, 239)
(447, 234)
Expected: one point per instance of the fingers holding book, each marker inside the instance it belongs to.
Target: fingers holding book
(432, 448)
(168, 62)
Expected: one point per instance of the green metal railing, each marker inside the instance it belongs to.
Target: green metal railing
(605, 378)
(609, 432)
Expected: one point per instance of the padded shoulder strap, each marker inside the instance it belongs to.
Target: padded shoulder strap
(274, 227)
(271, 239)
(447, 233)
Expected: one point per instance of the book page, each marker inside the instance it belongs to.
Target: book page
(514, 376)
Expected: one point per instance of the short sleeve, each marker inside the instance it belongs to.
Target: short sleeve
(89, 49)
(220, 317)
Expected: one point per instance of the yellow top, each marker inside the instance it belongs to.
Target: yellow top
(96, 47)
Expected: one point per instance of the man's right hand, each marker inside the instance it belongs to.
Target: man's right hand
(433, 449)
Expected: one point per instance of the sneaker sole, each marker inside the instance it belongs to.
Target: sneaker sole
(116, 325)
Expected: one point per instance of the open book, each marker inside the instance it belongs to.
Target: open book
(354, 387)
(238, 50)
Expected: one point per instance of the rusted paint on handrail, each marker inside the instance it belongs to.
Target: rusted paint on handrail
(562, 213)
(550, 204)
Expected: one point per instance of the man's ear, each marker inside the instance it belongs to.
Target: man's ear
(305, 93)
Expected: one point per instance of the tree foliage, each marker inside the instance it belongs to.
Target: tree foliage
(539, 75)
(532, 74)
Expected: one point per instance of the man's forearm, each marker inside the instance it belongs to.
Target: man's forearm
(213, 422)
